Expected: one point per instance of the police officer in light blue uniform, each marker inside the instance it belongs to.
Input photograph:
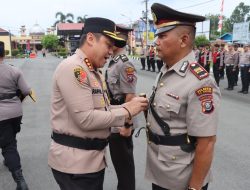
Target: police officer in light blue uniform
(11, 82)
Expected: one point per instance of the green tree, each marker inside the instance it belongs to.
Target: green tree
(241, 13)
(69, 17)
(201, 40)
(50, 42)
(82, 19)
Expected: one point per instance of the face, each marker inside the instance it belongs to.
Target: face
(102, 49)
(245, 48)
(167, 44)
(230, 47)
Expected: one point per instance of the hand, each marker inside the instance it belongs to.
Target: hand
(136, 105)
(126, 132)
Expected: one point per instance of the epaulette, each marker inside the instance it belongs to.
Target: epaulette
(123, 57)
(198, 71)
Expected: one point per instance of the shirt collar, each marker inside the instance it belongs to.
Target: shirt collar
(182, 65)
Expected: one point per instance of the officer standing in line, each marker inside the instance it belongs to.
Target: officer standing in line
(231, 62)
(236, 70)
(121, 83)
(81, 115)
(207, 60)
(143, 58)
(159, 62)
(245, 69)
(184, 106)
(216, 63)
(11, 82)
(201, 59)
(222, 64)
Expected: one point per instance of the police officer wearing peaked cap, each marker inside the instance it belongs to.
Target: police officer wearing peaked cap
(81, 115)
(121, 82)
(183, 111)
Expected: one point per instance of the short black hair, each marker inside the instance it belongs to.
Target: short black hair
(84, 37)
(2, 50)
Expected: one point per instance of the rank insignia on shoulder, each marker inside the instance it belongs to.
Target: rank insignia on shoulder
(115, 59)
(198, 71)
(89, 65)
(184, 66)
(124, 57)
(80, 75)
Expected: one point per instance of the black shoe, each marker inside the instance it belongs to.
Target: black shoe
(19, 179)
(245, 92)
(230, 88)
(241, 91)
(142, 68)
(153, 71)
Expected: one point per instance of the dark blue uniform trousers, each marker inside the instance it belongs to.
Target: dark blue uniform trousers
(8, 130)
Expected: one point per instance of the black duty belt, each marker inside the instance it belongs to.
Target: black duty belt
(80, 143)
(7, 96)
(117, 101)
(176, 140)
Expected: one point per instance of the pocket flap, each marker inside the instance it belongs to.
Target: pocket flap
(173, 154)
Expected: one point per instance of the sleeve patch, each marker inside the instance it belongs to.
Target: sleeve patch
(207, 90)
(130, 74)
(80, 75)
(207, 106)
(198, 71)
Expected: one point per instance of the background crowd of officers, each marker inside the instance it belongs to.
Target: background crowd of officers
(229, 59)
(222, 58)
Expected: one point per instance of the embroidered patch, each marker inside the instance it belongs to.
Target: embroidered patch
(198, 71)
(207, 106)
(173, 96)
(206, 97)
(184, 66)
(130, 74)
(80, 75)
(206, 90)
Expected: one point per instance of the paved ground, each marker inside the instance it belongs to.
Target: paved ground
(232, 155)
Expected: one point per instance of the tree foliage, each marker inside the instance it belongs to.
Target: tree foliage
(241, 13)
(64, 18)
(201, 40)
(50, 42)
(82, 19)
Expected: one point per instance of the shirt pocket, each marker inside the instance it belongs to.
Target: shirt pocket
(169, 108)
(174, 155)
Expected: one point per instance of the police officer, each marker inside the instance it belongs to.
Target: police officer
(81, 115)
(231, 63)
(236, 70)
(121, 82)
(245, 69)
(216, 63)
(159, 62)
(143, 58)
(183, 114)
(222, 63)
(11, 82)
(207, 58)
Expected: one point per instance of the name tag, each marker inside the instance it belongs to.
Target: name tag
(96, 91)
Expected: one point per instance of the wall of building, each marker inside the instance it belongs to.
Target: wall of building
(6, 40)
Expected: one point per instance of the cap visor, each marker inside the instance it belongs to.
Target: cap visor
(119, 42)
(164, 29)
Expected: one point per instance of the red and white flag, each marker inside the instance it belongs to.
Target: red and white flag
(221, 17)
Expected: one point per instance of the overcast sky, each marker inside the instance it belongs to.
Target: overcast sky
(15, 13)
